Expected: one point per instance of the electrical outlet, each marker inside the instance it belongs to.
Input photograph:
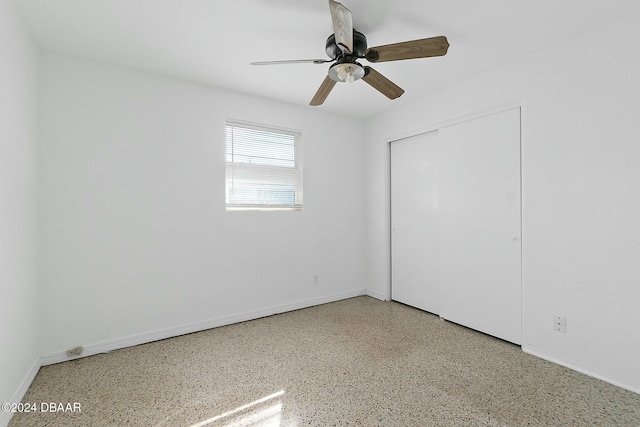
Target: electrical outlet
(77, 351)
(560, 324)
(316, 279)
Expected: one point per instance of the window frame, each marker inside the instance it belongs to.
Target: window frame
(295, 173)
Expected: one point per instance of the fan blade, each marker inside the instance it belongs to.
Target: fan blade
(292, 61)
(382, 84)
(342, 25)
(423, 48)
(323, 91)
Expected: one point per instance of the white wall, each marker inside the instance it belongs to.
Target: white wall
(581, 193)
(19, 347)
(136, 244)
(136, 240)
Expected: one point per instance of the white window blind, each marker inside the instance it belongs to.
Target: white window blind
(263, 167)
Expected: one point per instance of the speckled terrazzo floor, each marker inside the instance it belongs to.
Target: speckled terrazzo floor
(357, 362)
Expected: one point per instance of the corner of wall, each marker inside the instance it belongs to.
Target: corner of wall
(19, 312)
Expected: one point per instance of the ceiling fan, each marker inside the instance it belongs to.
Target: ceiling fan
(346, 45)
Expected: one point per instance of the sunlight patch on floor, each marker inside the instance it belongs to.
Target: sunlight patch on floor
(264, 412)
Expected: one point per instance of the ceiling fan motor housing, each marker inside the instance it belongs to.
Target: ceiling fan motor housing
(359, 45)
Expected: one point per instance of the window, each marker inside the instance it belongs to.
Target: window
(263, 169)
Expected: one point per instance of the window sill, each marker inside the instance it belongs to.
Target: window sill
(263, 208)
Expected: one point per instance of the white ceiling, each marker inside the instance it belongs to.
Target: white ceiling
(213, 41)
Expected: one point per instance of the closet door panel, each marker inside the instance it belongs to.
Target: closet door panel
(480, 224)
(414, 225)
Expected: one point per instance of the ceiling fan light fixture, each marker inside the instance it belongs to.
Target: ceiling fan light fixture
(346, 45)
(346, 72)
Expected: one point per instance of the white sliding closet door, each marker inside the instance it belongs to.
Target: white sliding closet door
(479, 224)
(414, 239)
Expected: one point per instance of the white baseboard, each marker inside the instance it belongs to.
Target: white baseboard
(377, 295)
(5, 417)
(118, 343)
(622, 381)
